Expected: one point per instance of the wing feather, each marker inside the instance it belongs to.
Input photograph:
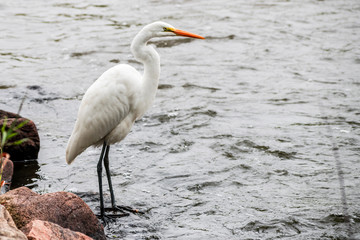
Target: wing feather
(105, 104)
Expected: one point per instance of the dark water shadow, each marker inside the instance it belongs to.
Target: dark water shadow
(25, 174)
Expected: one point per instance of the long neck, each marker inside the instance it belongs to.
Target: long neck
(151, 60)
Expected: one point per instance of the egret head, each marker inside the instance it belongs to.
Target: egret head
(162, 29)
(156, 29)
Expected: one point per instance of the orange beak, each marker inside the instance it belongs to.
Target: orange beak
(186, 34)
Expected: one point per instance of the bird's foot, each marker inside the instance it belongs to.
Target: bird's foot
(122, 209)
(106, 218)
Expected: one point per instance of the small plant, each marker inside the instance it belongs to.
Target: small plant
(5, 136)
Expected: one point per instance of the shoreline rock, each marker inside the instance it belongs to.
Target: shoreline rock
(28, 149)
(7, 173)
(41, 230)
(62, 208)
(4, 114)
(8, 229)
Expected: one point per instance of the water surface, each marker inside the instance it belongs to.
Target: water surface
(239, 142)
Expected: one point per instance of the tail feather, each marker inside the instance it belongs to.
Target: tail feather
(73, 150)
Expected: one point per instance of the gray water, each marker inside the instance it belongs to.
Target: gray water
(240, 141)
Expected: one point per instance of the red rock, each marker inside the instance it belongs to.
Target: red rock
(8, 170)
(43, 230)
(8, 167)
(28, 149)
(62, 208)
(8, 229)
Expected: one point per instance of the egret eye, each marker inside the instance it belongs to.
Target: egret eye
(166, 29)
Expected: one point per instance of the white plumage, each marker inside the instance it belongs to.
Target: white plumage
(107, 111)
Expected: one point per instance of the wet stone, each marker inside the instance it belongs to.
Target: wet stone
(28, 149)
(62, 208)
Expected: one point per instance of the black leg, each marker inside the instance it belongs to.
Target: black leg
(99, 172)
(114, 207)
(107, 169)
(104, 155)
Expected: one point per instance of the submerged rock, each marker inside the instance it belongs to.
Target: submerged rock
(62, 208)
(8, 229)
(28, 149)
(43, 230)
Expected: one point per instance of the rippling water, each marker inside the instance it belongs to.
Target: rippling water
(239, 143)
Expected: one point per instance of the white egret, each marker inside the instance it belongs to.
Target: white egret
(115, 100)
